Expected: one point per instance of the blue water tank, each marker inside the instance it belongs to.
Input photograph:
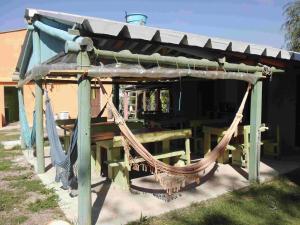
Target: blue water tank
(136, 18)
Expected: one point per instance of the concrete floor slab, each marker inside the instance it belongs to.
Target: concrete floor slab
(111, 205)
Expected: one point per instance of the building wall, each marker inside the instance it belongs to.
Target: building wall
(63, 96)
(10, 48)
(281, 108)
(63, 99)
(2, 119)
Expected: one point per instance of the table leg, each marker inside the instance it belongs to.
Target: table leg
(207, 143)
(98, 159)
(166, 149)
(224, 158)
(187, 151)
(119, 174)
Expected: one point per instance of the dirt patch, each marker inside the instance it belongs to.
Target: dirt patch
(23, 198)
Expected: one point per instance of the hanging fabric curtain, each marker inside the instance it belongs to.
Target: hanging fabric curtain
(64, 162)
(28, 134)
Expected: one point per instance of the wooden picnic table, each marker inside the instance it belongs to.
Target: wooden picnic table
(118, 166)
(197, 133)
(239, 149)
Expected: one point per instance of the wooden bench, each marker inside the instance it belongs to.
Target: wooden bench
(271, 147)
(239, 151)
(119, 168)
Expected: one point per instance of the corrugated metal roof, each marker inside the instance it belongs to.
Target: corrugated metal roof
(132, 31)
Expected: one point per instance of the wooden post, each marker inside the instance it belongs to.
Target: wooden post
(84, 144)
(255, 123)
(39, 141)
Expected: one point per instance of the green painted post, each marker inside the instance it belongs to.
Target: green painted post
(38, 107)
(255, 124)
(84, 144)
(20, 96)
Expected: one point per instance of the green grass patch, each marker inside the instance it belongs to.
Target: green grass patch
(17, 178)
(9, 136)
(10, 153)
(9, 199)
(30, 185)
(49, 203)
(276, 202)
(19, 219)
(11, 219)
(5, 165)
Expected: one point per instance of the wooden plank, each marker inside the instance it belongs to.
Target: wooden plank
(139, 160)
(156, 136)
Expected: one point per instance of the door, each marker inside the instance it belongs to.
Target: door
(11, 104)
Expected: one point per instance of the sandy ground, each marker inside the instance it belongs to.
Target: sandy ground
(112, 205)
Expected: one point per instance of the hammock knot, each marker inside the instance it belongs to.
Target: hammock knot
(239, 115)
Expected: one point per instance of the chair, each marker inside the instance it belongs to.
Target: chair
(271, 147)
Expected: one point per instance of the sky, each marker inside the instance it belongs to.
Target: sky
(253, 21)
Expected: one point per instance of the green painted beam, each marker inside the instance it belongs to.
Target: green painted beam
(180, 61)
(38, 107)
(255, 139)
(84, 144)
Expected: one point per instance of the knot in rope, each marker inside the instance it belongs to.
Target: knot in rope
(267, 71)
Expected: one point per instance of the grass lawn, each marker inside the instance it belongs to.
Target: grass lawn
(23, 198)
(9, 135)
(276, 203)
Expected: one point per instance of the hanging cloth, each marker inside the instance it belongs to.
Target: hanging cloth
(28, 134)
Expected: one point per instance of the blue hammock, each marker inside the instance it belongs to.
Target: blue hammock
(28, 134)
(63, 162)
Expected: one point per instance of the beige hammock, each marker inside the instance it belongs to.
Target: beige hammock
(172, 178)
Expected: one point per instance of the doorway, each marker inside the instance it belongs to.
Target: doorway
(297, 132)
(11, 105)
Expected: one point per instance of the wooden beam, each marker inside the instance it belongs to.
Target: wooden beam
(84, 145)
(184, 62)
(255, 137)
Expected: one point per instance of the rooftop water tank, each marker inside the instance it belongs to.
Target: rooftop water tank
(136, 18)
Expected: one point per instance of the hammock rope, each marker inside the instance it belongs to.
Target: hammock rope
(173, 178)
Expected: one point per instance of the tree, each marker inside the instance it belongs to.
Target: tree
(291, 25)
